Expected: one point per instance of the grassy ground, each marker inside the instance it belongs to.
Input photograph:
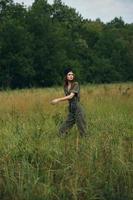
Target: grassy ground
(35, 164)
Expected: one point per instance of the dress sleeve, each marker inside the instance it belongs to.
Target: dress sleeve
(75, 88)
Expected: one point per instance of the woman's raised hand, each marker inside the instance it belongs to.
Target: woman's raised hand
(54, 101)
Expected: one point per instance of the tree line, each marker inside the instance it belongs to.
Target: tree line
(38, 42)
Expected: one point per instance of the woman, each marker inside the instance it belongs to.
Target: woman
(75, 115)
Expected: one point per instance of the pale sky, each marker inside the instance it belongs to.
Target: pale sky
(106, 10)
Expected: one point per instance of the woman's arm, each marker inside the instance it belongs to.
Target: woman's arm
(70, 96)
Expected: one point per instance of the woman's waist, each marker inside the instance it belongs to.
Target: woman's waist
(76, 101)
(74, 106)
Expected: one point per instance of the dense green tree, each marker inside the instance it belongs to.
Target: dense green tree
(15, 58)
(38, 42)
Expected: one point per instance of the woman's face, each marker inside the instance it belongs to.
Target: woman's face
(70, 76)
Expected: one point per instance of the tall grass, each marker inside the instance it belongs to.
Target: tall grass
(35, 164)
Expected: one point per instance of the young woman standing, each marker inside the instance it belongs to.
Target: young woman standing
(76, 114)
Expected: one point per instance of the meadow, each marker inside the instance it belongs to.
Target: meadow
(36, 164)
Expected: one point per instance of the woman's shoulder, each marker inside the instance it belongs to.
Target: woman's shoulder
(76, 83)
(75, 86)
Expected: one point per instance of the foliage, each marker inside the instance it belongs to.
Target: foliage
(38, 42)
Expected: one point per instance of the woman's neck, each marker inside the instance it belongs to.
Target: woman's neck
(69, 83)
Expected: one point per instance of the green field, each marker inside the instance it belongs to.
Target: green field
(35, 164)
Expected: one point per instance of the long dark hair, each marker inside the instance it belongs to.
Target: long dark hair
(66, 82)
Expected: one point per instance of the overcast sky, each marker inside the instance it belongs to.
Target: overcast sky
(106, 10)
